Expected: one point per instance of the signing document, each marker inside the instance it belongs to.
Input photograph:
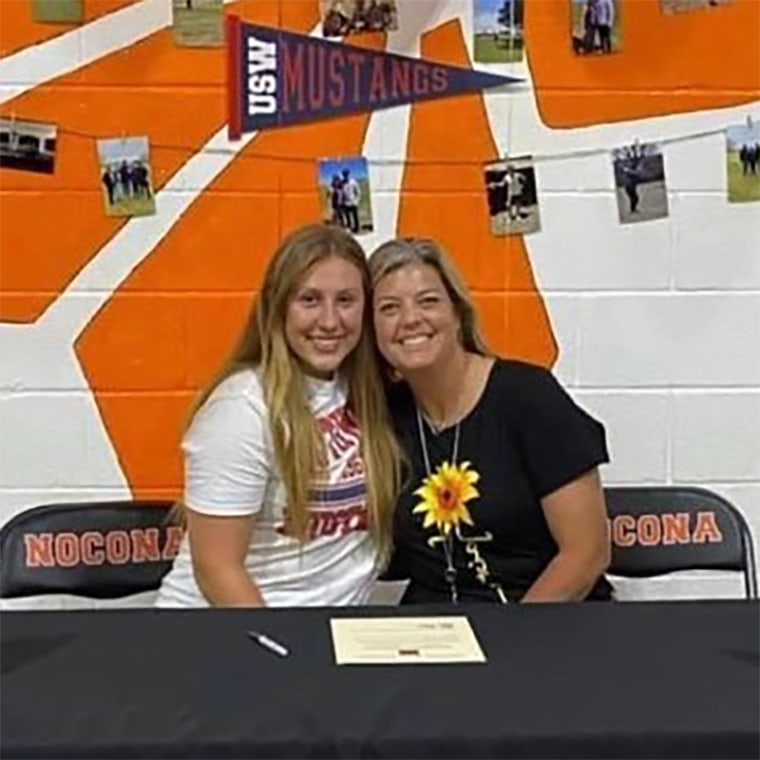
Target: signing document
(394, 640)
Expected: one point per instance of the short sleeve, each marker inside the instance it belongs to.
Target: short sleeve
(559, 440)
(227, 460)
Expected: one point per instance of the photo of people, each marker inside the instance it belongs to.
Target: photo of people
(125, 176)
(640, 183)
(58, 11)
(743, 162)
(198, 23)
(343, 17)
(345, 193)
(498, 26)
(683, 6)
(512, 196)
(28, 146)
(596, 26)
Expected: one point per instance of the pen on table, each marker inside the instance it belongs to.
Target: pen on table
(267, 643)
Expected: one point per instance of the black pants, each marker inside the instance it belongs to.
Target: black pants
(605, 38)
(352, 217)
(633, 196)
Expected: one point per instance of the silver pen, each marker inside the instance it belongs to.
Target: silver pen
(267, 643)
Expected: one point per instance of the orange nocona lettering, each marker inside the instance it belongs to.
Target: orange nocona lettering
(664, 529)
(92, 547)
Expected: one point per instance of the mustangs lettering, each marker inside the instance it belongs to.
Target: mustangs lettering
(314, 74)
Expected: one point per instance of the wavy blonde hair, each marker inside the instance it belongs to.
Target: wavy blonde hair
(263, 345)
(400, 252)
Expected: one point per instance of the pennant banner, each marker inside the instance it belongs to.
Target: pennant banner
(278, 78)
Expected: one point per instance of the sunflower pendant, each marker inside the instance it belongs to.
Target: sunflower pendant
(444, 496)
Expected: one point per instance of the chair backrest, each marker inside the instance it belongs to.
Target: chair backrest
(663, 529)
(100, 550)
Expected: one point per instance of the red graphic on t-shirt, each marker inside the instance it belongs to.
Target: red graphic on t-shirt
(338, 522)
(338, 505)
(341, 431)
(354, 467)
(331, 521)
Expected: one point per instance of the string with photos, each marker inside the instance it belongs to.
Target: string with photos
(537, 157)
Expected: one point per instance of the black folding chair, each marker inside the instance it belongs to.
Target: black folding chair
(99, 550)
(656, 530)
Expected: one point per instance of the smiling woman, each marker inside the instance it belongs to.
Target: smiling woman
(291, 468)
(324, 318)
(502, 500)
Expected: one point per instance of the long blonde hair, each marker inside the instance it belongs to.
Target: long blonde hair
(263, 345)
(400, 252)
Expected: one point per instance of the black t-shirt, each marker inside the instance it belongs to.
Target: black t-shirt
(526, 438)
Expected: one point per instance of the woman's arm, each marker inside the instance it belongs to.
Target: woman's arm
(576, 516)
(219, 546)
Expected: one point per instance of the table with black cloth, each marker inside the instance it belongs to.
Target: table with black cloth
(654, 679)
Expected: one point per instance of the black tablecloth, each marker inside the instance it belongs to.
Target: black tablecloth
(586, 680)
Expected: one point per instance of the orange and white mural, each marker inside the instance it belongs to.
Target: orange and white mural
(109, 325)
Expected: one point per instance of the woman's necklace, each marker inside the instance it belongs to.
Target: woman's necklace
(447, 539)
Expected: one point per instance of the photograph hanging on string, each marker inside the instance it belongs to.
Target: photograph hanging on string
(28, 146)
(498, 31)
(345, 194)
(125, 176)
(58, 11)
(512, 196)
(684, 6)
(198, 23)
(743, 162)
(640, 185)
(341, 18)
(596, 26)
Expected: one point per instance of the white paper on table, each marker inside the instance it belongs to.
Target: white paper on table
(404, 640)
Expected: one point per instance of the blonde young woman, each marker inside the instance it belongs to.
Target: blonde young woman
(291, 467)
(502, 499)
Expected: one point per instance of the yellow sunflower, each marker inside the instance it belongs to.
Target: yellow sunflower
(445, 494)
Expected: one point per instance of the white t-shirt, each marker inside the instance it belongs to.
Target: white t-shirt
(516, 185)
(352, 193)
(230, 470)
